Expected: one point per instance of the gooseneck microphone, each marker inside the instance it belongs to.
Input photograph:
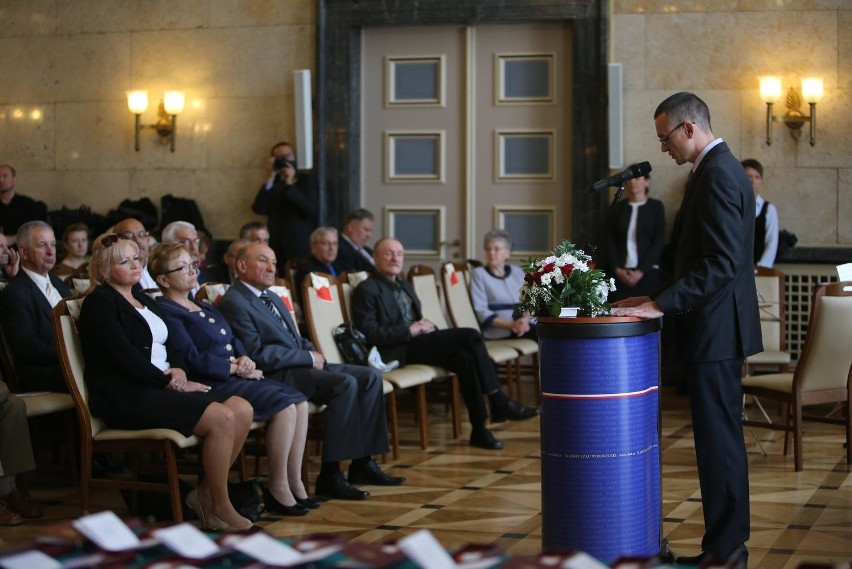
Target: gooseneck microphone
(634, 171)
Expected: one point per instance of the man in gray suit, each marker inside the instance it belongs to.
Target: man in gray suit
(355, 425)
(717, 322)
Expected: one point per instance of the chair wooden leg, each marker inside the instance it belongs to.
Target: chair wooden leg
(174, 486)
(423, 413)
(70, 443)
(393, 423)
(798, 432)
(85, 474)
(455, 398)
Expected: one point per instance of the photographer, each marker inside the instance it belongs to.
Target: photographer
(289, 198)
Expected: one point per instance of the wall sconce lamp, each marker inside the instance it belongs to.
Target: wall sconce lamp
(170, 107)
(770, 92)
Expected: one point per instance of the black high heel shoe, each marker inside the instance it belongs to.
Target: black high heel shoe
(274, 506)
(308, 502)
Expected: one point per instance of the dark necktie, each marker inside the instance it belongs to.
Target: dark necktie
(267, 301)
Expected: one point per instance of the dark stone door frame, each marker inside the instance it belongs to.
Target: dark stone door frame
(339, 24)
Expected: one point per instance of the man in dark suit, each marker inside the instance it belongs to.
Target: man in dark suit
(353, 253)
(386, 309)
(355, 425)
(289, 198)
(323, 257)
(714, 301)
(25, 307)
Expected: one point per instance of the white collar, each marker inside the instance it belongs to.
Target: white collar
(704, 152)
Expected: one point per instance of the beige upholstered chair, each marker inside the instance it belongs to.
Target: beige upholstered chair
(823, 373)
(455, 281)
(211, 293)
(770, 296)
(95, 437)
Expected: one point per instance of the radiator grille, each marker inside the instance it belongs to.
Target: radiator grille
(799, 281)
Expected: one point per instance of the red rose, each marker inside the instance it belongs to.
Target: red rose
(592, 265)
(529, 277)
(567, 270)
(547, 268)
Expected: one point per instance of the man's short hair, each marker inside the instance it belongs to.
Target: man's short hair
(170, 230)
(753, 164)
(320, 232)
(359, 214)
(25, 232)
(245, 230)
(277, 145)
(11, 169)
(685, 106)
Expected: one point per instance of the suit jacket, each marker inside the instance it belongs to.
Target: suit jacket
(376, 313)
(349, 259)
(25, 314)
(292, 215)
(714, 295)
(650, 234)
(272, 348)
(204, 338)
(116, 343)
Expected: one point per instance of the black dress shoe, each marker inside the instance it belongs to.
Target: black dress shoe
(513, 411)
(309, 502)
(484, 439)
(335, 486)
(274, 506)
(738, 559)
(370, 473)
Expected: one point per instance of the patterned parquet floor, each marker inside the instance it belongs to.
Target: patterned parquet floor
(465, 495)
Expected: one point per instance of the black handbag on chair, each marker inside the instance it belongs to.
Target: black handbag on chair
(352, 344)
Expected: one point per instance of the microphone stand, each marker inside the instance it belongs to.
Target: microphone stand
(618, 194)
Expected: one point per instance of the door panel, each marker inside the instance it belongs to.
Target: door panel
(463, 130)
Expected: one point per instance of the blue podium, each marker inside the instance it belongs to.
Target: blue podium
(600, 435)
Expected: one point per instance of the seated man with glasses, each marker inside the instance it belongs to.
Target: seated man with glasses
(133, 230)
(184, 232)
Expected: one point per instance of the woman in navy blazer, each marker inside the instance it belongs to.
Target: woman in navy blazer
(217, 358)
(136, 381)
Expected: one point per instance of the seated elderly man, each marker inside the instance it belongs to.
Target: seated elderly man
(355, 425)
(16, 457)
(185, 232)
(25, 307)
(322, 259)
(134, 230)
(226, 272)
(386, 309)
(255, 232)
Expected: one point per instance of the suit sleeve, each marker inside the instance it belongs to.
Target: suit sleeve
(262, 200)
(479, 298)
(722, 233)
(19, 326)
(655, 248)
(269, 351)
(370, 317)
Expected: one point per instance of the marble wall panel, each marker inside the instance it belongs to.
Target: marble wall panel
(844, 206)
(686, 6)
(807, 202)
(233, 62)
(725, 54)
(844, 49)
(28, 73)
(101, 190)
(628, 39)
(89, 67)
(97, 16)
(27, 136)
(33, 17)
(242, 130)
(226, 13)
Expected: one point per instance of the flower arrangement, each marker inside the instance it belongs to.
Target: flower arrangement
(567, 277)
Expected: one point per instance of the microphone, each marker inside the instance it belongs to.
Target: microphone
(634, 171)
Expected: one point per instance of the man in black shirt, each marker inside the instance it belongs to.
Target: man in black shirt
(15, 209)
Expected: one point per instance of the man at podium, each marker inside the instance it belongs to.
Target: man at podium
(714, 300)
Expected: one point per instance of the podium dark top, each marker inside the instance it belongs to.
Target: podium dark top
(597, 327)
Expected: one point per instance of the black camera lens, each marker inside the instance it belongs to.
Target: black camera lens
(280, 162)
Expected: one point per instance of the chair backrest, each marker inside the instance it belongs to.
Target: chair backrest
(212, 293)
(827, 357)
(422, 279)
(80, 285)
(770, 298)
(346, 290)
(70, 352)
(457, 295)
(322, 316)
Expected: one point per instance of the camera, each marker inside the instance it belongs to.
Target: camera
(280, 162)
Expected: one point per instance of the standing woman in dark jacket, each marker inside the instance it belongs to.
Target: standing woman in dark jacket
(635, 236)
(136, 382)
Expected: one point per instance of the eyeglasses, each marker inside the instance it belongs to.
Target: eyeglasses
(665, 139)
(189, 242)
(131, 235)
(110, 240)
(185, 269)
